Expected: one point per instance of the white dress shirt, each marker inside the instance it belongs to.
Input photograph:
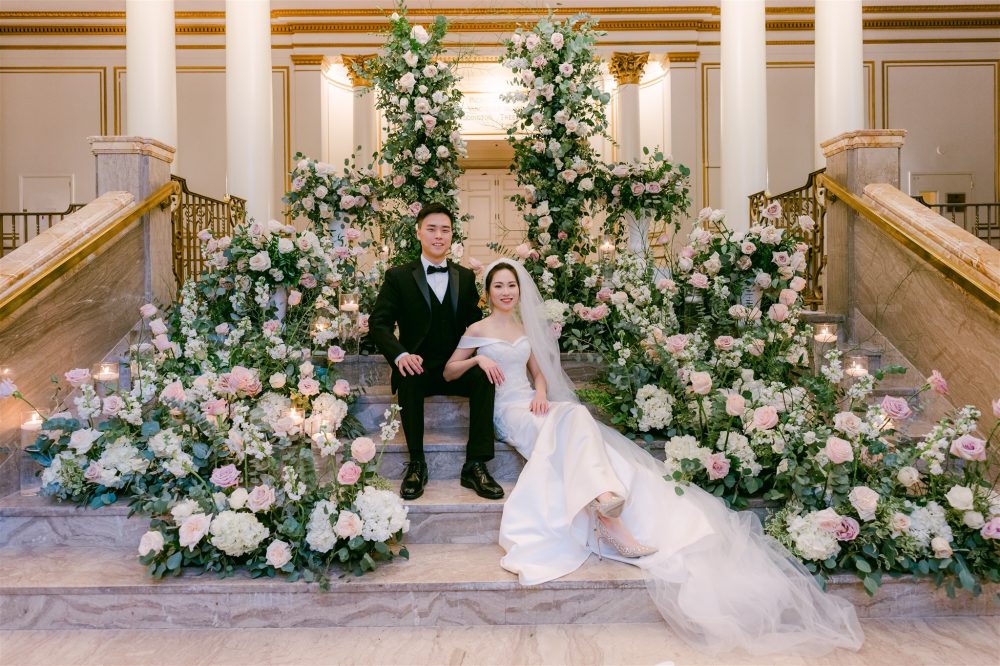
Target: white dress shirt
(438, 282)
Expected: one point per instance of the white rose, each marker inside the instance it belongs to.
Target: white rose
(260, 262)
(960, 497)
(278, 554)
(419, 34)
(81, 441)
(907, 476)
(864, 500)
(701, 383)
(183, 510)
(973, 519)
(194, 529)
(239, 498)
(457, 250)
(941, 547)
(285, 245)
(848, 423)
(151, 542)
(277, 380)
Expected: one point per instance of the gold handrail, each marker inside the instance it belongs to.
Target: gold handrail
(967, 278)
(35, 285)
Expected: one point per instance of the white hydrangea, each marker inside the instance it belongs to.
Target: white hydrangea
(811, 541)
(655, 406)
(319, 532)
(739, 447)
(927, 522)
(237, 532)
(383, 514)
(331, 410)
(555, 311)
(683, 448)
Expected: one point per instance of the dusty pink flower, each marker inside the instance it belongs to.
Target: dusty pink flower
(991, 530)
(112, 405)
(348, 525)
(675, 344)
(756, 347)
(349, 473)
(735, 405)
(78, 376)
(698, 280)
(777, 312)
(363, 449)
(724, 342)
(600, 312)
(218, 407)
(162, 343)
(788, 297)
(174, 391)
(341, 388)
(848, 529)
(765, 418)
(896, 408)
(335, 354)
(938, 383)
(308, 386)
(552, 261)
(604, 294)
(701, 383)
(763, 280)
(476, 265)
(797, 283)
(261, 498)
(225, 476)
(772, 211)
(278, 554)
(294, 297)
(157, 327)
(193, 529)
(308, 281)
(717, 466)
(968, 447)
(838, 450)
(148, 310)
(523, 250)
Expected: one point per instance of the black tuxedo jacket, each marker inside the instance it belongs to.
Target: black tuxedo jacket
(405, 299)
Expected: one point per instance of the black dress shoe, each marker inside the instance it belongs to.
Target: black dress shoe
(475, 476)
(414, 480)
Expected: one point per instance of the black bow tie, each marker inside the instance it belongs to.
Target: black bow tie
(436, 269)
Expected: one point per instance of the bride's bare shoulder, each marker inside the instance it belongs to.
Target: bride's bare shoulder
(480, 329)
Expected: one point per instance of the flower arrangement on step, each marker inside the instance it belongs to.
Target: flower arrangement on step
(233, 433)
(417, 93)
(560, 109)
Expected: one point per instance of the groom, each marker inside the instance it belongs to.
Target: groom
(433, 301)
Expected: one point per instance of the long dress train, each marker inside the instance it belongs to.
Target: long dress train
(717, 579)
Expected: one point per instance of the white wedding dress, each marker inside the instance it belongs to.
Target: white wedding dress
(717, 579)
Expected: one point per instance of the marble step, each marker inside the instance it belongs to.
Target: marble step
(441, 584)
(446, 513)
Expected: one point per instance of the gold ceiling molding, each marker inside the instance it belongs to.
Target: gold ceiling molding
(683, 56)
(627, 67)
(307, 59)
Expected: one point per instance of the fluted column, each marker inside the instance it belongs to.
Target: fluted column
(365, 130)
(744, 107)
(151, 65)
(840, 73)
(627, 70)
(249, 122)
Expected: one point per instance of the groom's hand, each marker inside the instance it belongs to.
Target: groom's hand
(410, 364)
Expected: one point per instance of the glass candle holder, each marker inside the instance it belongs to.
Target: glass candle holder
(350, 302)
(606, 250)
(856, 365)
(825, 333)
(107, 377)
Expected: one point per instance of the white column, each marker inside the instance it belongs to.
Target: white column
(249, 122)
(364, 119)
(840, 71)
(151, 65)
(744, 107)
(627, 69)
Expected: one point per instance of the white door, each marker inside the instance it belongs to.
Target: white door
(485, 195)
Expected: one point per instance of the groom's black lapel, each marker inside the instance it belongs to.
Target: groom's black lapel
(418, 275)
(453, 286)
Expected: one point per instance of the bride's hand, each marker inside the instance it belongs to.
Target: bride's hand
(540, 405)
(492, 370)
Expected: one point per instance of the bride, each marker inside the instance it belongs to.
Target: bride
(716, 578)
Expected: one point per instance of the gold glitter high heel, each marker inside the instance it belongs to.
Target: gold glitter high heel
(602, 534)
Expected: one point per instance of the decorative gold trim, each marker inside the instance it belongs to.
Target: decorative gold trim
(972, 62)
(683, 56)
(307, 59)
(966, 278)
(627, 67)
(102, 82)
(354, 63)
(33, 286)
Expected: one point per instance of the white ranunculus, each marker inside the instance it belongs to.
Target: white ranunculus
(960, 497)
(973, 519)
(238, 499)
(151, 542)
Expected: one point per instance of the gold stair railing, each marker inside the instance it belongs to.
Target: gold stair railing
(806, 200)
(29, 288)
(193, 213)
(16, 229)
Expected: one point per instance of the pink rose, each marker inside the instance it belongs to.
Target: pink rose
(717, 466)
(552, 261)
(788, 297)
(363, 449)
(278, 554)
(476, 265)
(348, 525)
(522, 250)
(896, 408)
(865, 501)
(938, 383)
(335, 354)
(261, 498)
(781, 258)
(604, 294)
(148, 310)
(772, 211)
(838, 450)
(735, 405)
(112, 405)
(701, 383)
(193, 529)
(349, 473)
(162, 343)
(173, 392)
(763, 280)
(294, 297)
(848, 529)
(698, 280)
(827, 520)
(765, 418)
(847, 423)
(600, 312)
(225, 476)
(777, 312)
(968, 447)
(308, 281)
(756, 347)
(724, 342)
(991, 530)
(747, 247)
(157, 327)
(675, 344)
(797, 283)
(341, 388)
(78, 376)
(222, 329)
(666, 285)
(217, 407)
(93, 473)
(308, 386)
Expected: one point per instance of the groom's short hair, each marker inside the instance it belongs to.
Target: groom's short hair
(432, 208)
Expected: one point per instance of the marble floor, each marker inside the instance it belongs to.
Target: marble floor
(944, 641)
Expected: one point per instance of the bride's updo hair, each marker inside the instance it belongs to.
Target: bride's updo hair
(502, 265)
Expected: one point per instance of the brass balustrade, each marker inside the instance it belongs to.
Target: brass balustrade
(810, 199)
(16, 229)
(196, 212)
